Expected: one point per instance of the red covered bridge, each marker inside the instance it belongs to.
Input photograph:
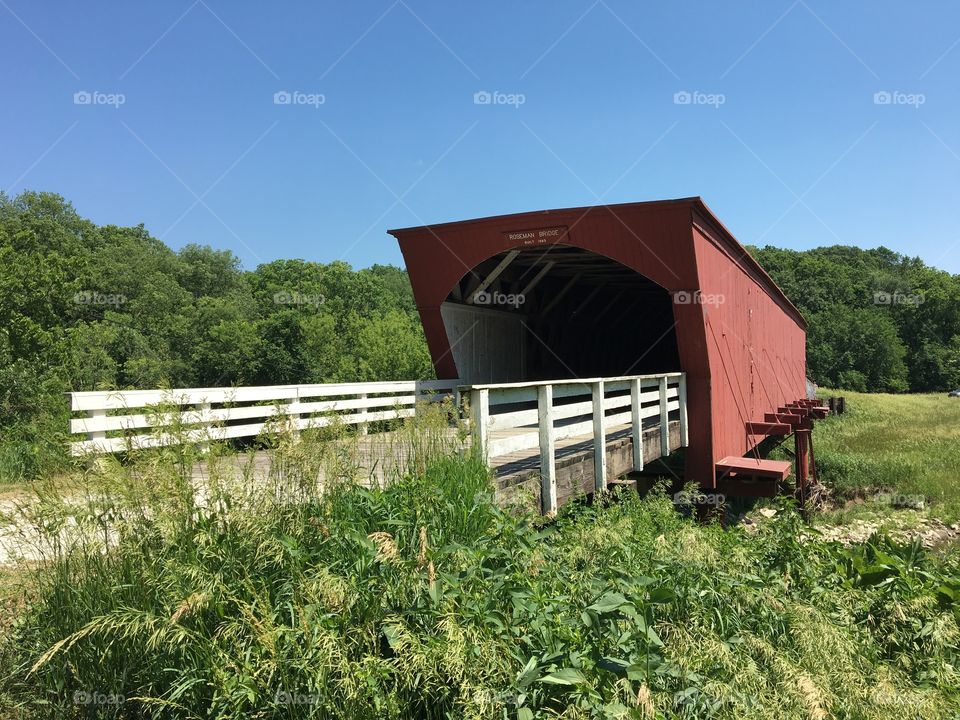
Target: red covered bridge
(613, 291)
(586, 342)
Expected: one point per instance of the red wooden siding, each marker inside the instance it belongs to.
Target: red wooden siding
(744, 356)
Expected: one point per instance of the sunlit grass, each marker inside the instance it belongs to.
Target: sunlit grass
(894, 444)
(422, 598)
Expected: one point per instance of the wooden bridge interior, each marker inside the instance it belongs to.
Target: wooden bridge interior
(558, 313)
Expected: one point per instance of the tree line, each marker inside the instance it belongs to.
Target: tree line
(878, 321)
(86, 307)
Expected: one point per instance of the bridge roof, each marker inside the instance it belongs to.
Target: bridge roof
(734, 249)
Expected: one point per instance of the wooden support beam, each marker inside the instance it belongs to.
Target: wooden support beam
(563, 291)
(664, 420)
(592, 294)
(501, 266)
(754, 468)
(94, 415)
(748, 488)
(768, 428)
(480, 411)
(599, 437)
(548, 462)
(608, 306)
(626, 311)
(537, 278)
(791, 420)
(363, 428)
(684, 422)
(636, 424)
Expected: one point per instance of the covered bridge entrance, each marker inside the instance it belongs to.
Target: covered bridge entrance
(621, 290)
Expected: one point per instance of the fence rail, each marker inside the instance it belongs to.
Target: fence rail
(120, 420)
(543, 413)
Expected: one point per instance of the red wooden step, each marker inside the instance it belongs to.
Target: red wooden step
(787, 418)
(754, 468)
(748, 488)
(802, 412)
(768, 428)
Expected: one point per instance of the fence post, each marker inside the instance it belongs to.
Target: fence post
(636, 424)
(294, 418)
(206, 426)
(599, 438)
(99, 434)
(682, 397)
(480, 409)
(548, 462)
(363, 427)
(664, 420)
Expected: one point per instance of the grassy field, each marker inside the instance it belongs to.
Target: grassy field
(894, 449)
(424, 599)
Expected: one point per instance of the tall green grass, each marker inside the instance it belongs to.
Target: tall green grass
(423, 599)
(902, 444)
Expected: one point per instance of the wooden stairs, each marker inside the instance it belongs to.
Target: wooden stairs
(757, 477)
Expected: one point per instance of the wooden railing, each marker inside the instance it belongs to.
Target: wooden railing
(115, 421)
(563, 409)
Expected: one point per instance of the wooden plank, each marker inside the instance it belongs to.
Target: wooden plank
(206, 415)
(537, 278)
(130, 399)
(755, 467)
(599, 438)
(494, 274)
(682, 407)
(548, 462)
(636, 425)
(521, 418)
(735, 487)
(802, 412)
(664, 419)
(655, 378)
(768, 428)
(480, 407)
(499, 447)
(791, 420)
(559, 296)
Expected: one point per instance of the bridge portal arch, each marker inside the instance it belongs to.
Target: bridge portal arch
(557, 312)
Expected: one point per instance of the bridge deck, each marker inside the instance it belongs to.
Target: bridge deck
(375, 458)
(514, 423)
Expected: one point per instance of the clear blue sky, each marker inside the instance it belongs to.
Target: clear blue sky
(784, 139)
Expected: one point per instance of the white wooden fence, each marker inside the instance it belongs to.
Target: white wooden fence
(563, 409)
(114, 421)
